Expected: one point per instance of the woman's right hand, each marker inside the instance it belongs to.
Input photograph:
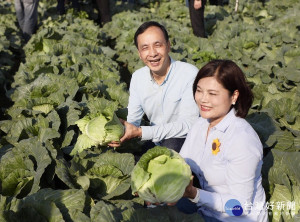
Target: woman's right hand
(190, 190)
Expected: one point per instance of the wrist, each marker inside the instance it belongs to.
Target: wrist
(196, 197)
(139, 133)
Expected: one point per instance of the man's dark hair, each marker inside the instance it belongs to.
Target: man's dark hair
(147, 25)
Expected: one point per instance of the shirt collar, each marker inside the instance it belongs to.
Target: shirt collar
(226, 121)
(171, 67)
(168, 74)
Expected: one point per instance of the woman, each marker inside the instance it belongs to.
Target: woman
(223, 150)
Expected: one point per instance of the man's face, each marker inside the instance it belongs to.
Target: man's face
(153, 50)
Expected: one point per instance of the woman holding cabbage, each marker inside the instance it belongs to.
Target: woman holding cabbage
(223, 150)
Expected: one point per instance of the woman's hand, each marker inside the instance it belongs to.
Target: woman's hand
(190, 190)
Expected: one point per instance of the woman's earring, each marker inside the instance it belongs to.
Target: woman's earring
(233, 103)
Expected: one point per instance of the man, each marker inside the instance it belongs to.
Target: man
(61, 6)
(162, 90)
(104, 15)
(196, 9)
(27, 15)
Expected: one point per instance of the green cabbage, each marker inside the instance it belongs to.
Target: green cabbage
(160, 176)
(98, 129)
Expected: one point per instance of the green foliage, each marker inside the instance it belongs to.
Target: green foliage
(98, 129)
(72, 70)
(160, 176)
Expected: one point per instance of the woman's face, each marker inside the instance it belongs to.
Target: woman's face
(213, 100)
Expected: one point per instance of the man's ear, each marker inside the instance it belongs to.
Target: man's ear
(139, 53)
(169, 46)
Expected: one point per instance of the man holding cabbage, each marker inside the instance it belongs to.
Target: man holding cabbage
(162, 90)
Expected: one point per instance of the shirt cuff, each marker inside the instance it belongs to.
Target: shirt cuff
(197, 197)
(211, 200)
(146, 133)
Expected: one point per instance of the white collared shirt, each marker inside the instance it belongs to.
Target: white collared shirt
(233, 173)
(170, 106)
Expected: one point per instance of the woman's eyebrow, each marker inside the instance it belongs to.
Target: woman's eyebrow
(209, 90)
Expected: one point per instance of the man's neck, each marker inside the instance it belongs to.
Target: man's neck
(160, 77)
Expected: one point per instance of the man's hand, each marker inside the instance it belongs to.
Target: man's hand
(131, 131)
(197, 4)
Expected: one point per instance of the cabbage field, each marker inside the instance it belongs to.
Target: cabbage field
(72, 68)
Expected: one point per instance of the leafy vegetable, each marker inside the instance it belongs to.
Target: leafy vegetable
(98, 129)
(161, 175)
(48, 205)
(131, 211)
(72, 69)
(22, 167)
(105, 175)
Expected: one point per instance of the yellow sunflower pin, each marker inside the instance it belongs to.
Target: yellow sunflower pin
(215, 146)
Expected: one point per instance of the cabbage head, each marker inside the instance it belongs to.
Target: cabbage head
(160, 176)
(98, 129)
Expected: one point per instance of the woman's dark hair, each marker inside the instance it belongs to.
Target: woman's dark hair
(232, 78)
(147, 25)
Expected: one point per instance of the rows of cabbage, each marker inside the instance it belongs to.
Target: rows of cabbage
(45, 110)
(68, 74)
(52, 89)
(263, 39)
(10, 45)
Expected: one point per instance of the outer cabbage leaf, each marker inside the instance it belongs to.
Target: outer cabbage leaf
(35, 211)
(44, 93)
(83, 142)
(98, 129)
(65, 200)
(21, 128)
(281, 168)
(264, 125)
(296, 199)
(281, 194)
(160, 213)
(105, 212)
(161, 175)
(95, 128)
(108, 173)
(63, 173)
(130, 210)
(48, 205)
(22, 167)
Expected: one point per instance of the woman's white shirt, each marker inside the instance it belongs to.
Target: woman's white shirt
(233, 173)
